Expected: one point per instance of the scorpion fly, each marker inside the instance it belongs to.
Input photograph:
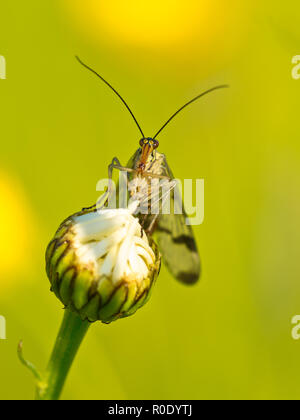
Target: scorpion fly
(175, 237)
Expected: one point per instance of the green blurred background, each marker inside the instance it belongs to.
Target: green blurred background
(229, 336)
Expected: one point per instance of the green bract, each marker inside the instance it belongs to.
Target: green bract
(102, 265)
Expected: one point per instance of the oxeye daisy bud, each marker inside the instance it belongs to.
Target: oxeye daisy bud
(102, 265)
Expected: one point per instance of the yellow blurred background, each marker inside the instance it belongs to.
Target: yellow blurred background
(229, 337)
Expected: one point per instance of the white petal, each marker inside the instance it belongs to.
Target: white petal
(115, 242)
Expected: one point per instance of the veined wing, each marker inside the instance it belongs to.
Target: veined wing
(175, 238)
(177, 244)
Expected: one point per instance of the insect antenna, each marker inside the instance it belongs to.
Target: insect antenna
(113, 89)
(188, 103)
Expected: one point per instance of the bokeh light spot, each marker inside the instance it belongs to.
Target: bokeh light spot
(16, 230)
(170, 26)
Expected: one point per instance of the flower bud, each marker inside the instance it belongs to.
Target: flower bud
(102, 265)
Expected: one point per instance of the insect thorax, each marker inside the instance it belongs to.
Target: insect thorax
(154, 164)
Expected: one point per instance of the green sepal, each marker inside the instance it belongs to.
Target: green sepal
(81, 288)
(90, 311)
(65, 291)
(105, 289)
(113, 306)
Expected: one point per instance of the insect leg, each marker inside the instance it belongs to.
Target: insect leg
(89, 208)
(151, 228)
(150, 174)
(156, 197)
(115, 164)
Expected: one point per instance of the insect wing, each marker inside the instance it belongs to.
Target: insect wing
(175, 238)
(176, 242)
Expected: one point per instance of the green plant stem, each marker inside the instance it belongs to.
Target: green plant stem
(70, 336)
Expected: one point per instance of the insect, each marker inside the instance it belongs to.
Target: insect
(175, 237)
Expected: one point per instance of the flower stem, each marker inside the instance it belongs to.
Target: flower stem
(68, 341)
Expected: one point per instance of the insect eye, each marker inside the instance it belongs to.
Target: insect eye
(155, 144)
(142, 141)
